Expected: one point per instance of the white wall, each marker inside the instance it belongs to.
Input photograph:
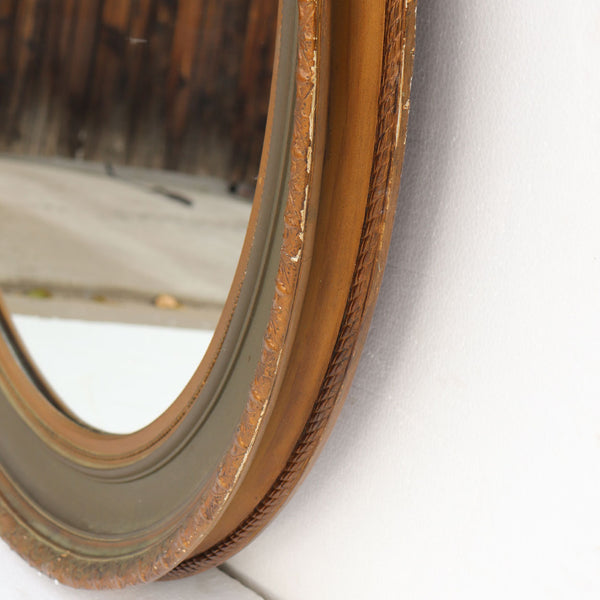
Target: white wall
(466, 463)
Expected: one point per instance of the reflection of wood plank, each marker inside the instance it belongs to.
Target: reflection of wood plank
(7, 14)
(143, 14)
(179, 87)
(60, 40)
(7, 29)
(104, 133)
(78, 71)
(23, 52)
(254, 86)
(147, 109)
(153, 83)
(40, 117)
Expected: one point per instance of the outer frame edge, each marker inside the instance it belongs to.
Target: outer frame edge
(394, 104)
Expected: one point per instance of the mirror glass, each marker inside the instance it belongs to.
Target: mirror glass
(130, 140)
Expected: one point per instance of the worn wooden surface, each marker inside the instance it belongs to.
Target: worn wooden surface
(177, 84)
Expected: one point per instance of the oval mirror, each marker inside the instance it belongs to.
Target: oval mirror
(130, 142)
(196, 200)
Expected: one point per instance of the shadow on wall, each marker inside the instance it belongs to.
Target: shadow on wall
(436, 96)
(437, 91)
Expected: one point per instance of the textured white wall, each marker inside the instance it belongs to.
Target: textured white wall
(466, 463)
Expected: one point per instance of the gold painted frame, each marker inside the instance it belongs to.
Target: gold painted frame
(97, 510)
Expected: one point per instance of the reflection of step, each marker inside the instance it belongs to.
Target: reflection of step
(83, 234)
(111, 310)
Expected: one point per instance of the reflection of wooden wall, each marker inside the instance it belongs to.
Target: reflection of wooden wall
(179, 84)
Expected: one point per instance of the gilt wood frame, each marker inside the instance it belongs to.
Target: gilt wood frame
(327, 243)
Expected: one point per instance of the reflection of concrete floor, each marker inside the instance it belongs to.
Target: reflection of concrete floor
(80, 235)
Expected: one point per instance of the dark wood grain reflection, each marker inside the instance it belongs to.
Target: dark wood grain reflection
(175, 84)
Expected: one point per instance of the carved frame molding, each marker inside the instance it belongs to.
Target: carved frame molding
(178, 550)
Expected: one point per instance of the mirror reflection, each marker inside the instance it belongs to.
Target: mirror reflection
(130, 140)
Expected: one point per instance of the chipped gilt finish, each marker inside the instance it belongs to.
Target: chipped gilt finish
(312, 260)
